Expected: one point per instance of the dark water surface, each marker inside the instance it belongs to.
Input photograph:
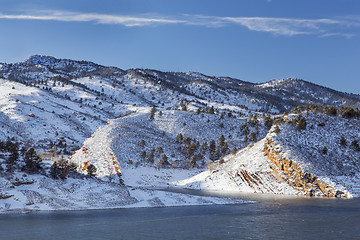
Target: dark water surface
(267, 218)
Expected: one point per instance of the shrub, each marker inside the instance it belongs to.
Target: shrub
(342, 141)
(355, 145)
(329, 110)
(152, 113)
(252, 137)
(268, 122)
(301, 124)
(276, 129)
(321, 124)
(324, 150)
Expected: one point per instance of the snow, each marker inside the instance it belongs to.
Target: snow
(223, 177)
(44, 99)
(339, 167)
(46, 194)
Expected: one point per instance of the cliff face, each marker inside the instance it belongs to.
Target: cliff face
(290, 172)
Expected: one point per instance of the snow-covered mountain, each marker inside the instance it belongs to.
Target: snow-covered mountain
(71, 99)
(318, 158)
(147, 128)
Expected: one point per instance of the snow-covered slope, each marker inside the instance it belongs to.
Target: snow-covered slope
(136, 141)
(70, 99)
(143, 128)
(36, 192)
(321, 159)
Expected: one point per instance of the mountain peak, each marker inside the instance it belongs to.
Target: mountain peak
(41, 59)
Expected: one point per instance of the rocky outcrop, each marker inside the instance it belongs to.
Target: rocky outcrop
(290, 172)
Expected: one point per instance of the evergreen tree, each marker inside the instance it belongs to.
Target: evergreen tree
(245, 129)
(55, 171)
(187, 141)
(183, 106)
(192, 148)
(211, 110)
(342, 141)
(225, 149)
(355, 145)
(217, 153)
(143, 154)
(179, 138)
(221, 140)
(142, 143)
(212, 146)
(152, 113)
(193, 161)
(204, 147)
(268, 121)
(162, 161)
(234, 150)
(150, 157)
(160, 150)
(252, 137)
(32, 162)
(91, 170)
(11, 160)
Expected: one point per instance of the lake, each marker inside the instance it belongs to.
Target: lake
(270, 217)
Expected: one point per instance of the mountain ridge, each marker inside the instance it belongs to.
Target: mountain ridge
(140, 129)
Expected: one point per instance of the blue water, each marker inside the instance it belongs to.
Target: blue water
(267, 218)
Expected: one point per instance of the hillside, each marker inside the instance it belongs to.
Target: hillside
(320, 158)
(71, 99)
(123, 133)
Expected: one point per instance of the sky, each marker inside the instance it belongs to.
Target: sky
(252, 40)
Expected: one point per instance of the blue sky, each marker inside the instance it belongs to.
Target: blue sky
(253, 40)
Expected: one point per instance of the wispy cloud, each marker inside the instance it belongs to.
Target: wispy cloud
(128, 21)
(283, 26)
(324, 27)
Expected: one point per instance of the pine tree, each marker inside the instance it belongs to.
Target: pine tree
(268, 121)
(234, 150)
(355, 145)
(32, 162)
(204, 147)
(142, 143)
(150, 157)
(152, 113)
(217, 153)
(192, 148)
(187, 141)
(211, 110)
(91, 170)
(221, 140)
(11, 160)
(179, 138)
(342, 141)
(143, 154)
(55, 171)
(212, 146)
(245, 130)
(252, 137)
(225, 149)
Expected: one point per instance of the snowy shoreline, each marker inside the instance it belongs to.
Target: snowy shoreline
(45, 194)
